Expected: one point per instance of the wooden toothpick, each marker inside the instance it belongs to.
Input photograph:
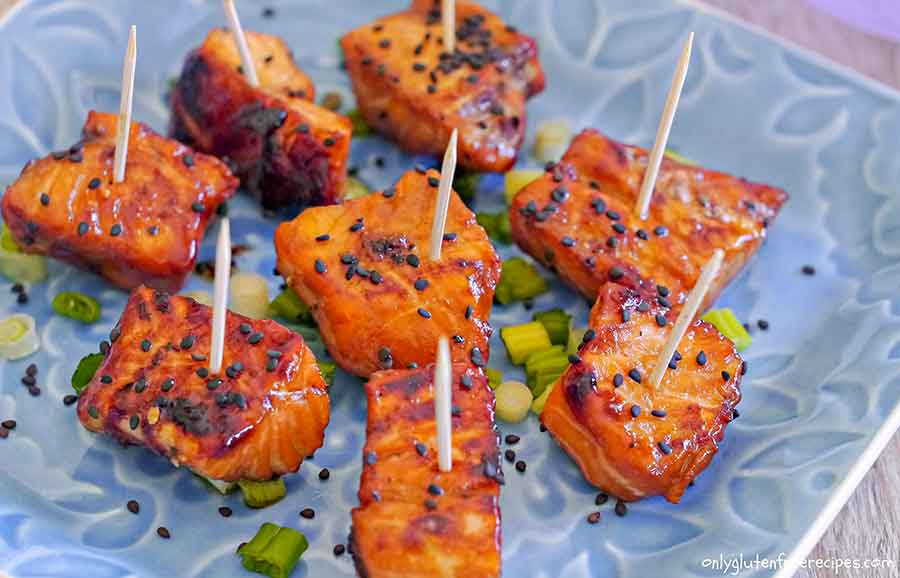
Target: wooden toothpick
(686, 317)
(220, 295)
(443, 399)
(448, 169)
(665, 127)
(448, 19)
(241, 40)
(123, 128)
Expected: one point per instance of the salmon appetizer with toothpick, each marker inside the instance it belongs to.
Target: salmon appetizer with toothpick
(413, 519)
(411, 90)
(259, 418)
(579, 220)
(363, 268)
(286, 150)
(629, 438)
(144, 230)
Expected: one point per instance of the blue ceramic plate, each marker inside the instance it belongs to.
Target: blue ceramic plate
(821, 395)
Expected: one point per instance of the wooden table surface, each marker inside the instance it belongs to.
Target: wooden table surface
(869, 526)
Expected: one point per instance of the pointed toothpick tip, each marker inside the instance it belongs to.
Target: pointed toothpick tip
(220, 295)
(686, 317)
(642, 207)
(126, 100)
(240, 39)
(443, 399)
(448, 170)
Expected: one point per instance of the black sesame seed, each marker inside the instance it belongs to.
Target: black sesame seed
(476, 357)
(601, 499)
(435, 490)
(726, 376)
(371, 458)
(339, 550)
(763, 324)
(153, 230)
(30, 380)
(45, 199)
(134, 422)
(466, 381)
(225, 511)
(660, 231)
(245, 328)
(430, 504)
(22, 298)
(510, 456)
(662, 290)
(621, 508)
(661, 320)
(82, 229)
(329, 142)
(133, 506)
(103, 379)
(588, 336)
(94, 183)
(635, 375)
(197, 207)
(658, 413)
(324, 237)
(115, 230)
(449, 237)
(213, 383)
(512, 439)
(320, 266)
(743, 367)
(146, 345)
(599, 206)
(520, 466)
(618, 380)
(70, 399)
(616, 273)
(376, 278)
(421, 449)
(635, 410)
(568, 241)
(469, 311)
(255, 338)
(202, 372)
(619, 228)
(421, 284)
(664, 448)
(574, 358)
(163, 532)
(664, 302)
(424, 313)
(701, 358)
(324, 474)
(642, 234)
(593, 518)
(808, 270)
(34, 390)
(187, 342)
(613, 215)
(412, 260)
(384, 43)
(9, 424)
(357, 226)
(93, 412)
(308, 513)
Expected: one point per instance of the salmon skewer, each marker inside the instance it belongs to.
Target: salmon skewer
(380, 303)
(628, 438)
(413, 520)
(259, 418)
(413, 92)
(144, 230)
(286, 150)
(579, 219)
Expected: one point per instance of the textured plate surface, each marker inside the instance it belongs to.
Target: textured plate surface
(822, 379)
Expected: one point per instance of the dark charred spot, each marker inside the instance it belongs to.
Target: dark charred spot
(394, 248)
(409, 384)
(193, 417)
(580, 385)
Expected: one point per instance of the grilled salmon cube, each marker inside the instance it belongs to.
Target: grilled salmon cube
(579, 219)
(413, 519)
(286, 150)
(412, 91)
(629, 439)
(144, 230)
(363, 268)
(258, 418)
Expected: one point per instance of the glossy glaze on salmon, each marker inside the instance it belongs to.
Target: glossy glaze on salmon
(145, 230)
(579, 220)
(286, 150)
(629, 439)
(415, 93)
(258, 418)
(363, 267)
(413, 520)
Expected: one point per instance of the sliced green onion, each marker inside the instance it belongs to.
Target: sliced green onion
(18, 336)
(22, 267)
(465, 183)
(289, 307)
(679, 158)
(576, 338)
(496, 225)
(85, 371)
(523, 340)
(513, 401)
(360, 128)
(327, 369)
(273, 551)
(220, 486)
(516, 180)
(77, 306)
(539, 402)
(551, 140)
(544, 367)
(519, 280)
(729, 326)
(354, 189)
(201, 296)
(249, 295)
(558, 324)
(495, 376)
(7, 242)
(262, 494)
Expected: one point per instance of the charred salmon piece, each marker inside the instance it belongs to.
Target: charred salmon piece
(413, 519)
(413, 92)
(286, 150)
(363, 268)
(579, 220)
(144, 230)
(258, 418)
(629, 439)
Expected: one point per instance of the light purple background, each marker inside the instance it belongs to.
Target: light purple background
(880, 17)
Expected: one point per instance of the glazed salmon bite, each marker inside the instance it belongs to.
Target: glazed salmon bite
(579, 220)
(363, 268)
(144, 230)
(286, 150)
(260, 417)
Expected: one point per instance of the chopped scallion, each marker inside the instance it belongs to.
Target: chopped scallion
(495, 376)
(558, 324)
(576, 338)
(7, 242)
(496, 225)
(516, 180)
(249, 295)
(360, 128)
(539, 402)
(513, 401)
(289, 307)
(77, 306)
(519, 280)
(465, 183)
(544, 367)
(18, 336)
(327, 369)
(262, 494)
(273, 551)
(729, 326)
(523, 340)
(551, 140)
(354, 189)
